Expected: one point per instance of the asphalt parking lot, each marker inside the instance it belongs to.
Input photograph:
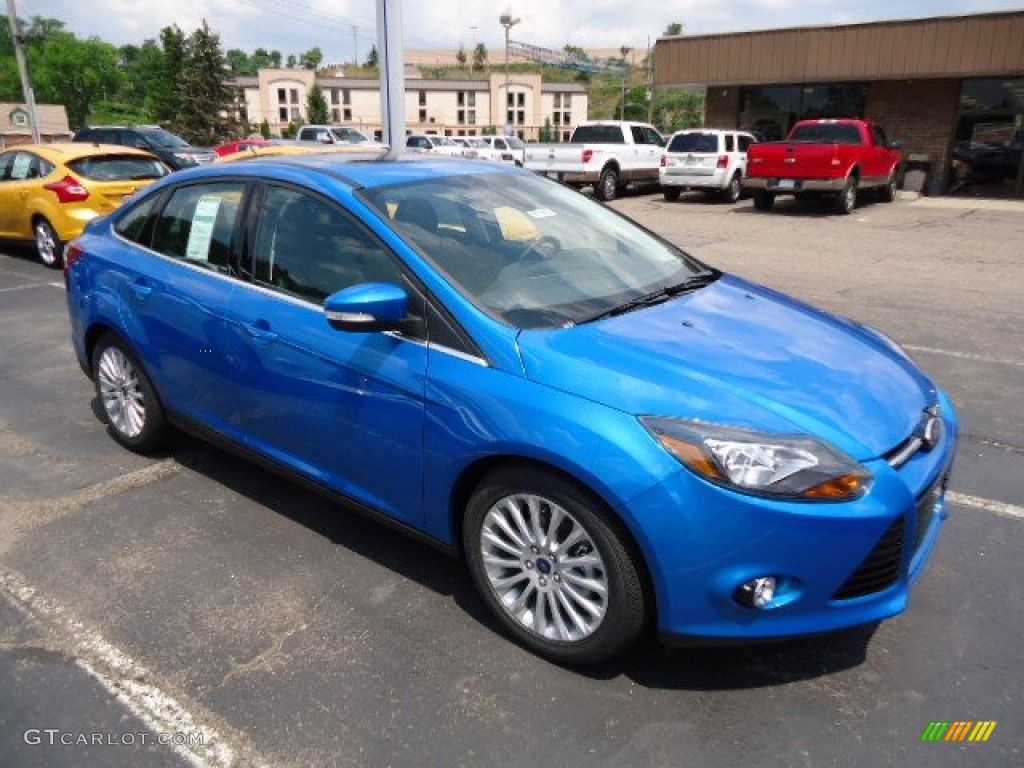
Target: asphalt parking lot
(193, 596)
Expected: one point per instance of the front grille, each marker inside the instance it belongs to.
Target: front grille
(880, 568)
(926, 507)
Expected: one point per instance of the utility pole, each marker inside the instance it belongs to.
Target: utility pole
(624, 50)
(26, 82)
(355, 47)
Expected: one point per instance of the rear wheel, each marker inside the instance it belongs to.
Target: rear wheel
(763, 199)
(553, 566)
(846, 200)
(732, 192)
(607, 184)
(671, 193)
(48, 244)
(132, 410)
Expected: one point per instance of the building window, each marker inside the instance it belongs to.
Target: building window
(295, 114)
(471, 117)
(510, 99)
(293, 95)
(557, 118)
(347, 115)
(334, 96)
(282, 114)
(771, 111)
(423, 115)
(422, 95)
(282, 96)
(335, 115)
(520, 99)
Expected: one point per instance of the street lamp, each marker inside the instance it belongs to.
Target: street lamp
(507, 22)
(624, 50)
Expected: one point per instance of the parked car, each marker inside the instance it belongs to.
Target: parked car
(169, 147)
(613, 434)
(49, 192)
(240, 145)
(509, 149)
(336, 135)
(476, 148)
(834, 158)
(429, 142)
(707, 159)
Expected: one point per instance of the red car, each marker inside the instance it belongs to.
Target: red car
(240, 146)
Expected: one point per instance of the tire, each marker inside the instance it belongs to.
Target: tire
(607, 184)
(671, 193)
(126, 396)
(732, 193)
(583, 605)
(846, 200)
(49, 248)
(763, 199)
(887, 194)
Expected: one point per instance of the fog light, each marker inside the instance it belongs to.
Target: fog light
(757, 593)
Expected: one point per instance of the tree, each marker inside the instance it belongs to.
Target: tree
(311, 59)
(371, 58)
(239, 62)
(317, 111)
(461, 58)
(73, 72)
(291, 61)
(208, 103)
(165, 98)
(265, 129)
(480, 56)
(675, 29)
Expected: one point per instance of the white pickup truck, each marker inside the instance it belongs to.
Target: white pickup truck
(609, 154)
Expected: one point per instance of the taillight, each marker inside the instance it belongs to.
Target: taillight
(588, 154)
(723, 161)
(68, 190)
(664, 161)
(72, 253)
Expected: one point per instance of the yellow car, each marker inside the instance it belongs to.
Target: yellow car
(49, 192)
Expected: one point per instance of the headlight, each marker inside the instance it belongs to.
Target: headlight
(186, 157)
(791, 466)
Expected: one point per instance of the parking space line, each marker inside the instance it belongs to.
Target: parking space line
(998, 507)
(24, 286)
(964, 355)
(123, 678)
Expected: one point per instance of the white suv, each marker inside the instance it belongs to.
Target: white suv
(705, 158)
(431, 142)
(507, 149)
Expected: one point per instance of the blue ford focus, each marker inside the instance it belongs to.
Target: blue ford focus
(615, 437)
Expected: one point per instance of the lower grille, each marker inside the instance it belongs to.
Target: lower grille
(880, 568)
(926, 507)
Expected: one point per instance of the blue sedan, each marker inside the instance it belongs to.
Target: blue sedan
(614, 436)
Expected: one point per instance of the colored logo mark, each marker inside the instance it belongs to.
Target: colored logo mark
(958, 730)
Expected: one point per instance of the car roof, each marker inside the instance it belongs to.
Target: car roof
(66, 151)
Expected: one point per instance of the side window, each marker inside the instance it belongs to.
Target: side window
(130, 139)
(744, 142)
(5, 166)
(639, 137)
(653, 137)
(133, 225)
(310, 249)
(198, 224)
(879, 136)
(26, 165)
(500, 144)
(730, 142)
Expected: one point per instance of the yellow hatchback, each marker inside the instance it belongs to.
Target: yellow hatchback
(49, 192)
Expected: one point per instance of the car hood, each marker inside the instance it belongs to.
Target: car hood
(740, 354)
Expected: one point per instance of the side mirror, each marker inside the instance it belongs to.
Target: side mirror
(895, 144)
(370, 308)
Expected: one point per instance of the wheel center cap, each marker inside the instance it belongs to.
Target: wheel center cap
(544, 565)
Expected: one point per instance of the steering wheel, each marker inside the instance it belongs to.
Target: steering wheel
(544, 248)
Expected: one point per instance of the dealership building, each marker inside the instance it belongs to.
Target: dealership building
(950, 88)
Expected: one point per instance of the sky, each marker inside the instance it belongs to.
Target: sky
(344, 30)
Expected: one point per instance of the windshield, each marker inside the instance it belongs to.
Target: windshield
(349, 135)
(164, 139)
(118, 167)
(528, 250)
(694, 142)
(514, 142)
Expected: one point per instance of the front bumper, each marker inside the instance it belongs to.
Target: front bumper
(783, 185)
(837, 565)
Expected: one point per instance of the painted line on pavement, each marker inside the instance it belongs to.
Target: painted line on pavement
(998, 507)
(124, 679)
(964, 355)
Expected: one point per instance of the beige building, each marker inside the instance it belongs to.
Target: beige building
(16, 125)
(950, 88)
(446, 107)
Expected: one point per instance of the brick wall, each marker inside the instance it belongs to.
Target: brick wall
(920, 113)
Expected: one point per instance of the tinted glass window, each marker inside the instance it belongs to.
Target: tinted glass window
(310, 249)
(694, 142)
(827, 133)
(730, 143)
(5, 164)
(133, 224)
(118, 168)
(198, 224)
(744, 142)
(598, 134)
(25, 165)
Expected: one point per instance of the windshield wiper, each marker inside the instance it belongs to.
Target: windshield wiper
(659, 296)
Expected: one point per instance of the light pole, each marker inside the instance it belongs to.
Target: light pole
(507, 22)
(624, 50)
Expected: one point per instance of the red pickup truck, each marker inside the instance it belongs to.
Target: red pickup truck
(831, 157)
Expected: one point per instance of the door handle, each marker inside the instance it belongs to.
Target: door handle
(260, 331)
(142, 290)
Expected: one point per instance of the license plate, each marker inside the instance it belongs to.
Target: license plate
(787, 184)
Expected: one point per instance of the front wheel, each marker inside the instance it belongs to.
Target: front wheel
(48, 244)
(553, 566)
(763, 199)
(607, 184)
(132, 410)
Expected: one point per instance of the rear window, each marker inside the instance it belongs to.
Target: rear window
(118, 168)
(826, 133)
(597, 134)
(694, 142)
